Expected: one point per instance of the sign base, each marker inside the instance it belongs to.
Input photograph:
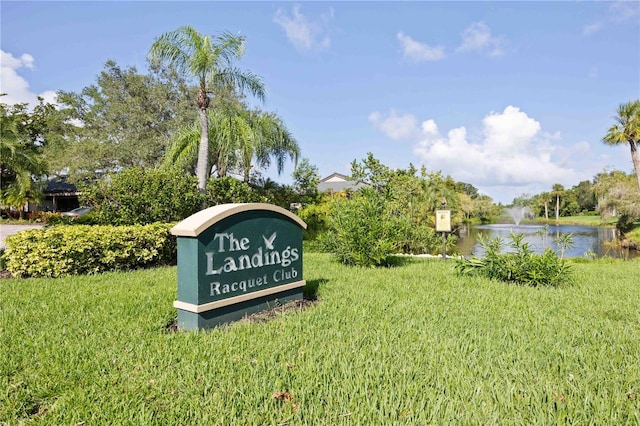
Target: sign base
(188, 320)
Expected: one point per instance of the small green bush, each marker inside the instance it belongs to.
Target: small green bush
(523, 267)
(360, 232)
(316, 216)
(420, 238)
(83, 249)
(230, 190)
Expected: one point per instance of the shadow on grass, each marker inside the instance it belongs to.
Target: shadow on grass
(310, 290)
(396, 261)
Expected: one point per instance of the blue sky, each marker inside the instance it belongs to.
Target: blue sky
(511, 97)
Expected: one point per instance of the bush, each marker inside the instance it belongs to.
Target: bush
(522, 267)
(360, 232)
(421, 238)
(140, 196)
(316, 216)
(83, 249)
(230, 190)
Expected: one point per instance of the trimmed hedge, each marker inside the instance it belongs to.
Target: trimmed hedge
(84, 249)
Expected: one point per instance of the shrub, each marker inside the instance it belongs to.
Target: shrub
(140, 196)
(230, 190)
(83, 249)
(316, 216)
(45, 217)
(360, 232)
(421, 238)
(522, 267)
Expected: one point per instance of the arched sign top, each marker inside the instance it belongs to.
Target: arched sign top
(199, 222)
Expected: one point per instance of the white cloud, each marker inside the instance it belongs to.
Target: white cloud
(592, 28)
(512, 154)
(396, 127)
(619, 12)
(15, 85)
(304, 34)
(419, 52)
(509, 131)
(624, 10)
(477, 38)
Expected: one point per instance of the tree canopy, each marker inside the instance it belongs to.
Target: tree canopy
(124, 119)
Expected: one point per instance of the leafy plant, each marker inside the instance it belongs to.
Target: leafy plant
(542, 233)
(360, 232)
(564, 241)
(230, 190)
(84, 249)
(316, 216)
(522, 267)
(141, 196)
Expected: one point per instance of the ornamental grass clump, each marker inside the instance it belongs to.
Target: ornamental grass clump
(522, 266)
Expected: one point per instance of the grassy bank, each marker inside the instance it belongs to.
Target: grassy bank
(634, 236)
(575, 220)
(407, 345)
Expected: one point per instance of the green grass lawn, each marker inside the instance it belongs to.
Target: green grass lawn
(413, 344)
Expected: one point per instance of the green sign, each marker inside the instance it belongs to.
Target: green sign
(235, 259)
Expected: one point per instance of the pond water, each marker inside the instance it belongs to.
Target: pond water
(587, 240)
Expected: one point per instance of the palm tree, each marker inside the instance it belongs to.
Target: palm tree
(239, 139)
(557, 191)
(21, 192)
(268, 138)
(627, 130)
(545, 198)
(210, 61)
(20, 164)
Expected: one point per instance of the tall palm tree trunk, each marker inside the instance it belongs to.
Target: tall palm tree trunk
(635, 158)
(203, 151)
(546, 210)
(557, 207)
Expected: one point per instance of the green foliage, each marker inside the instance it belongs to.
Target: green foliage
(420, 238)
(316, 216)
(522, 267)
(230, 190)
(361, 232)
(585, 196)
(306, 179)
(138, 196)
(210, 61)
(618, 196)
(22, 136)
(564, 241)
(396, 212)
(275, 193)
(240, 141)
(127, 119)
(83, 249)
